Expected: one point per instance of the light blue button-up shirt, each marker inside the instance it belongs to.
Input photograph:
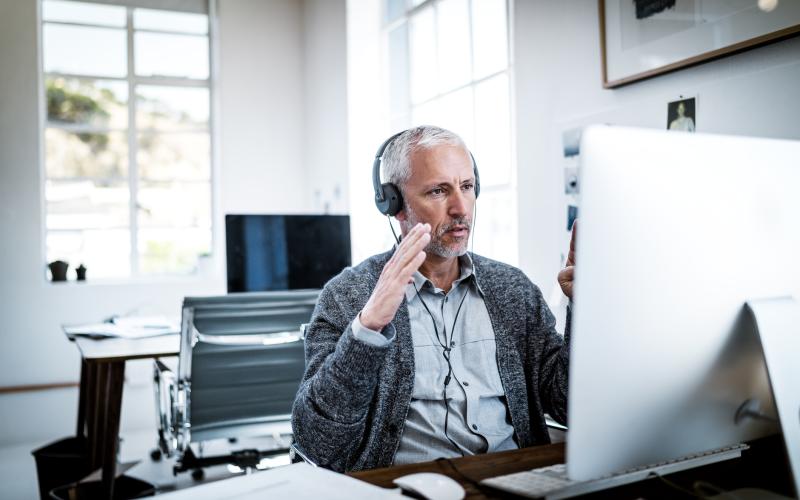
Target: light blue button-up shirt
(477, 420)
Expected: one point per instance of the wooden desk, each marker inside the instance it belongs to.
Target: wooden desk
(763, 466)
(100, 400)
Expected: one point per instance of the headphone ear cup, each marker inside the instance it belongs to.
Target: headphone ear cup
(392, 201)
(477, 176)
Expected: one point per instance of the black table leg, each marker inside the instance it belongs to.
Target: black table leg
(83, 398)
(113, 411)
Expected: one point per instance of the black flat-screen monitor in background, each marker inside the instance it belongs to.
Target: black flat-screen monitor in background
(285, 252)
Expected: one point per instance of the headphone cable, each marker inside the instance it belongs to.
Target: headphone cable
(446, 348)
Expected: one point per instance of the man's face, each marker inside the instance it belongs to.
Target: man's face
(441, 192)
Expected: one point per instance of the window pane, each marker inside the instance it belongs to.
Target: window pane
(160, 20)
(422, 37)
(159, 54)
(493, 131)
(393, 9)
(398, 70)
(171, 251)
(426, 114)
(85, 154)
(452, 20)
(168, 204)
(490, 36)
(86, 204)
(455, 114)
(174, 156)
(171, 108)
(99, 103)
(85, 51)
(86, 13)
(496, 229)
(106, 253)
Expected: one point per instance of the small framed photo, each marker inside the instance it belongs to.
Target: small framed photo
(682, 115)
(571, 180)
(572, 214)
(571, 140)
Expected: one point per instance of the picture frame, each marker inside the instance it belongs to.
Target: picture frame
(640, 39)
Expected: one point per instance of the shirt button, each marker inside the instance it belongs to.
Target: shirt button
(474, 427)
(452, 343)
(466, 383)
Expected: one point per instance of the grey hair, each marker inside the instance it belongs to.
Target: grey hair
(396, 167)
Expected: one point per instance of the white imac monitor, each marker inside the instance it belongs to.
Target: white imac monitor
(677, 232)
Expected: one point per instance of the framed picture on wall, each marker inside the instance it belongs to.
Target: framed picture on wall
(643, 38)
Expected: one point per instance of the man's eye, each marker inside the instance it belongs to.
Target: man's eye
(468, 187)
(436, 191)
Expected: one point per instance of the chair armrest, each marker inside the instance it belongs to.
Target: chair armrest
(556, 431)
(549, 422)
(165, 386)
(252, 339)
(296, 455)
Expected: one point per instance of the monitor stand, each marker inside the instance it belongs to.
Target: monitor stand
(777, 322)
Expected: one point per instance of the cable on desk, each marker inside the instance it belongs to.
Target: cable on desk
(472, 482)
(700, 489)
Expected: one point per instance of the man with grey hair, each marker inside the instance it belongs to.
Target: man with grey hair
(427, 350)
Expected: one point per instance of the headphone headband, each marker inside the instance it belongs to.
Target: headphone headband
(388, 197)
(376, 167)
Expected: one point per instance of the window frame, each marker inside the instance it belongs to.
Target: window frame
(206, 270)
(406, 117)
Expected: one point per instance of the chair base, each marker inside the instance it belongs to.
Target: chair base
(244, 459)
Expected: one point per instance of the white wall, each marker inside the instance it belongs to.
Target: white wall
(368, 118)
(558, 85)
(261, 91)
(263, 102)
(325, 146)
(284, 108)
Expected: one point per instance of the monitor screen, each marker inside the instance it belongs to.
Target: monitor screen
(678, 232)
(285, 252)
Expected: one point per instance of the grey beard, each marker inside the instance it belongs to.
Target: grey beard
(436, 246)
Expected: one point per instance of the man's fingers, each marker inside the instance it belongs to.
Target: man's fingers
(566, 274)
(572, 239)
(570, 258)
(574, 233)
(413, 265)
(415, 241)
(410, 259)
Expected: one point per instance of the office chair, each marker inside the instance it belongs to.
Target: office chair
(241, 361)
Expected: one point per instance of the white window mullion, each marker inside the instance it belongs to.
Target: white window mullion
(133, 169)
(472, 83)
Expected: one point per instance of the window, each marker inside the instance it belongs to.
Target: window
(127, 138)
(449, 65)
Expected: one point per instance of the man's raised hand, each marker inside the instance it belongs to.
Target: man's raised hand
(390, 290)
(566, 276)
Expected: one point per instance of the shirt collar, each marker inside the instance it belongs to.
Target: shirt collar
(466, 274)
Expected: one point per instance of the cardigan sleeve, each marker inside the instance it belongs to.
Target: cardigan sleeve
(551, 353)
(330, 409)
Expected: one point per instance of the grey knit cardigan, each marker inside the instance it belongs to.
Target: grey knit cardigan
(351, 406)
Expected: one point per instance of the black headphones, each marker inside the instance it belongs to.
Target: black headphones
(388, 198)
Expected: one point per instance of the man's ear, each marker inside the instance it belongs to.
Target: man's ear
(401, 215)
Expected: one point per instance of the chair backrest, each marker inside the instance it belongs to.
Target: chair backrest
(240, 364)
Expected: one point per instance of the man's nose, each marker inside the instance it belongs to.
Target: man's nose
(458, 204)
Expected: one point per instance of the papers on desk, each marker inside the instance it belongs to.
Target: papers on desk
(298, 482)
(133, 327)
